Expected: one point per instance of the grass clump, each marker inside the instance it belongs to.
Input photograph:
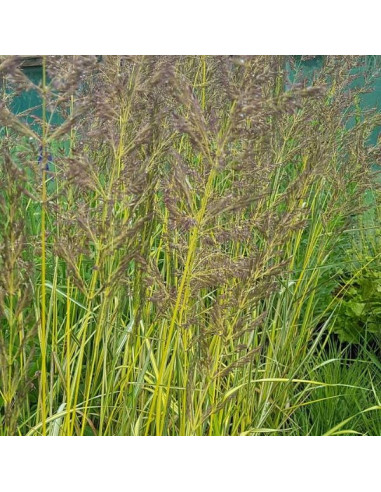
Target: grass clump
(172, 250)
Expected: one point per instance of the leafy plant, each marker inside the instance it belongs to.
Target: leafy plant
(359, 311)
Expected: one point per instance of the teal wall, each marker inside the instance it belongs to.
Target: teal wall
(29, 104)
(31, 101)
(371, 65)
